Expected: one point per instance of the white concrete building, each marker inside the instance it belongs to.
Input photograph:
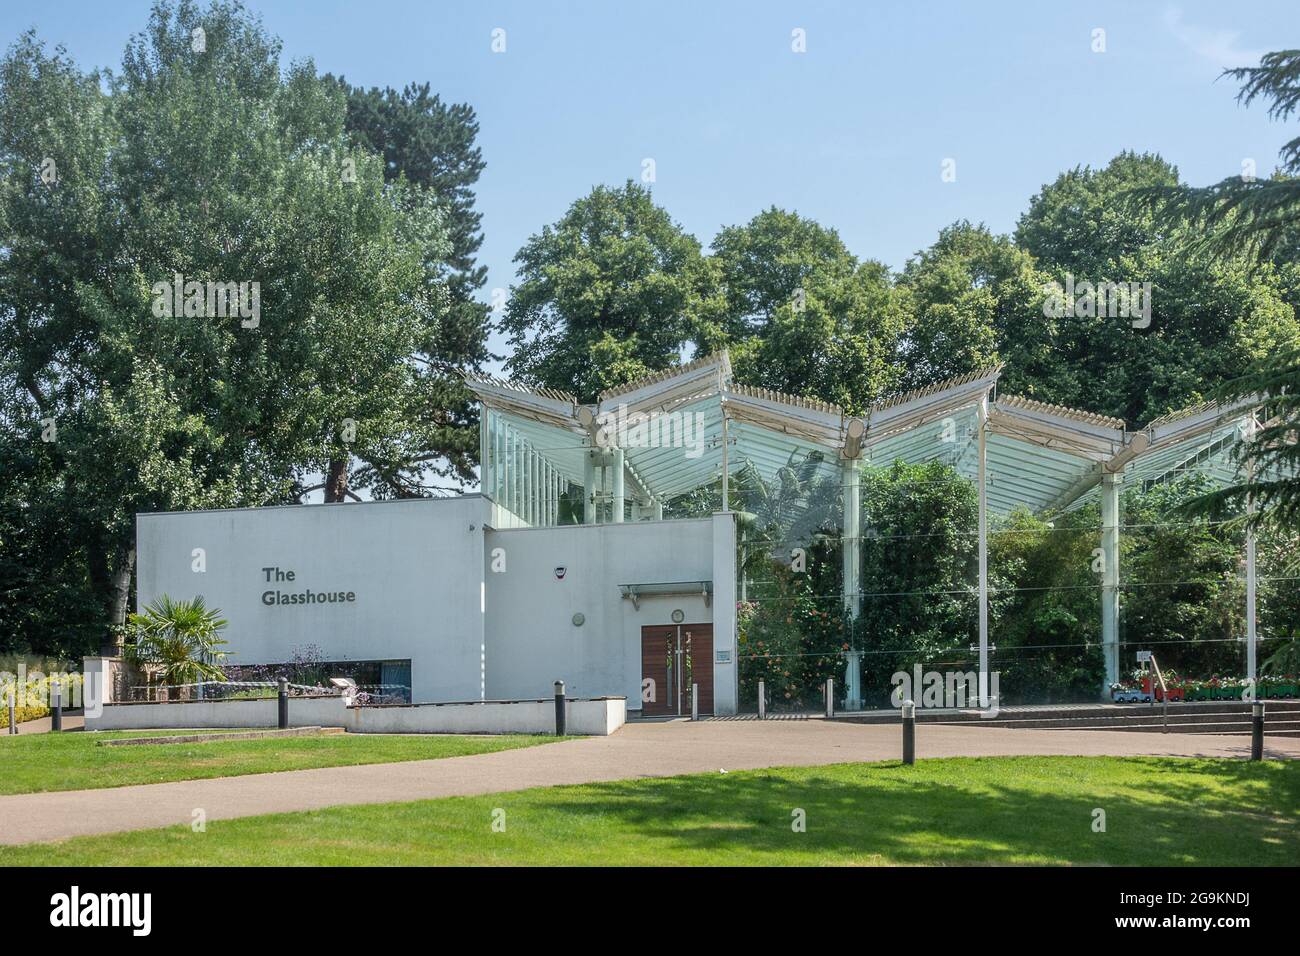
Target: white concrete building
(429, 587)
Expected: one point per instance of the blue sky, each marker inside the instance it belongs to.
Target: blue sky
(853, 132)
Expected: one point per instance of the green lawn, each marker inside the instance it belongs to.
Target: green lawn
(72, 761)
(1016, 810)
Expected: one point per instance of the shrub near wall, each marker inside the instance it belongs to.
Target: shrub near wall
(33, 696)
(793, 640)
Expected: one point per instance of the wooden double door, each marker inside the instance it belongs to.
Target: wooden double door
(673, 657)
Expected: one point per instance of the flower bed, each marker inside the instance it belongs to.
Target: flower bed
(33, 696)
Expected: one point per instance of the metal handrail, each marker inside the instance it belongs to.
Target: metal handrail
(1164, 694)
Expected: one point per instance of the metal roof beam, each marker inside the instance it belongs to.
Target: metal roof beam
(922, 407)
(548, 407)
(1093, 437)
(1197, 420)
(713, 370)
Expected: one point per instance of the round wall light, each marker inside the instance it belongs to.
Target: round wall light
(678, 616)
(579, 619)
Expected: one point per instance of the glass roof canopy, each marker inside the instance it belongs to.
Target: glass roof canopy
(691, 441)
(549, 460)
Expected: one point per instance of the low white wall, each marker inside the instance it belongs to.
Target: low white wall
(597, 718)
(303, 712)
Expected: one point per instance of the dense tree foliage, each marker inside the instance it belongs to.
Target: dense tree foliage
(801, 314)
(431, 145)
(201, 159)
(615, 289)
(1246, 214)
(607, 294)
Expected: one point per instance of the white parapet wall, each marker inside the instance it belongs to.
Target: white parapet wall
(263, 712)
(598, 717)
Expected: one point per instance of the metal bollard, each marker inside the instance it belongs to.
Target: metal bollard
(560, 711)
(830, 697)
(762, 701)
(695, 702)
(56, 706)
(909, 732)
(1257, 730)
(284, 704)
(13, 709)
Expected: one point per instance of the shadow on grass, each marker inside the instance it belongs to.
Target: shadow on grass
(1157, 812)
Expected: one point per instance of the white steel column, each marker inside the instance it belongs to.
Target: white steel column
(536, 497)
(517, 479)
(508, 472)
(496, 461)
(603, 498)
(550, 494)
(485, 473)
(1110, 486)
(984, 551)
(536, 490)
(851, 546)
(618, 499)
(726, 476)
(526, 485)
(544, 491)
(1251, 579)
(589, 487)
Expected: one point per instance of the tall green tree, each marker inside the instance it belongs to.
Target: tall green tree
(1247, 212)
(200, 159)
(919, 567)
(1206, 317)
(610, 292)
(1243, 216)
(801, 314)
(1268, 491)
(432, 145)
(975, 299)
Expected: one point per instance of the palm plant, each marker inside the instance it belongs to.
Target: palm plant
(1285, 659)
(793, 510)
(178, 638)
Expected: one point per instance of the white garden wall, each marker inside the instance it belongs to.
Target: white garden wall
(171, 715)
(596, 718)
(599, 717)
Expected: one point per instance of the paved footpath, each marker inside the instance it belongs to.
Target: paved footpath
(638, 750)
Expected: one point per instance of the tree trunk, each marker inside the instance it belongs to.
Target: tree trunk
(120, 596)
(336, 482)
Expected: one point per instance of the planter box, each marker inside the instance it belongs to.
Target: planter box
(1175, 693)
(1130, 695)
